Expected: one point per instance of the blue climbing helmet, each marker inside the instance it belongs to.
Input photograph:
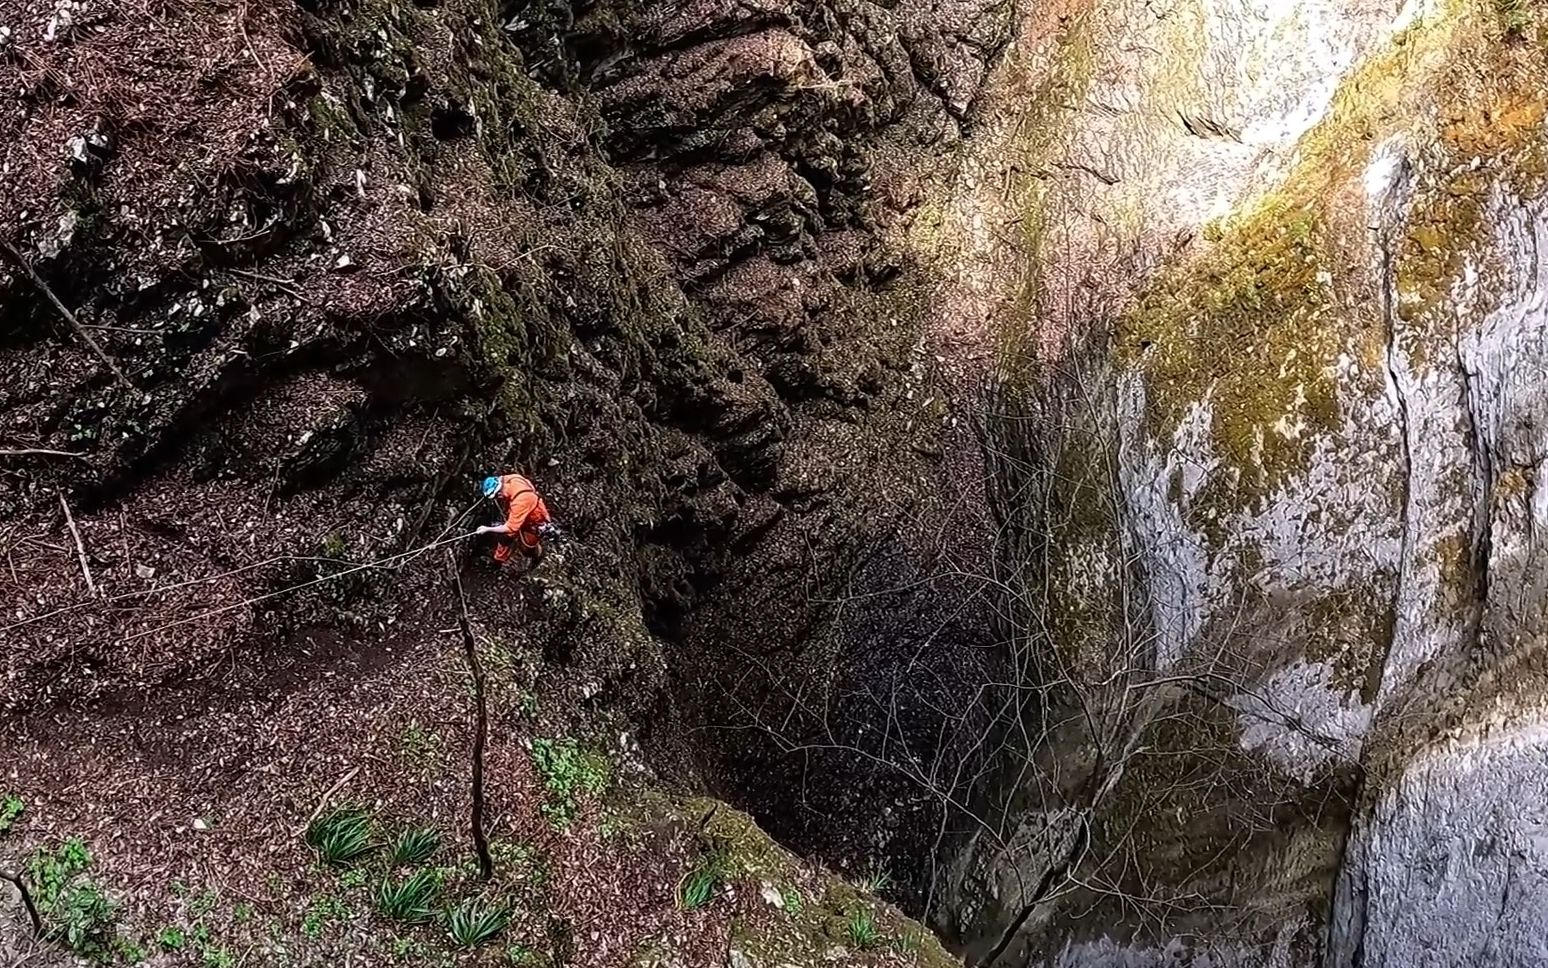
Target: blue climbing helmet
(490, 486)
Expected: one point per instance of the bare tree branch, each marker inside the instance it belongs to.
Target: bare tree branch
(25, 268)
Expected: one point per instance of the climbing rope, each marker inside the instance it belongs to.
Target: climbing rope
(144, 592)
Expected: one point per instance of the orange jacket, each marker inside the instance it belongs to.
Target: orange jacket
(524, 510)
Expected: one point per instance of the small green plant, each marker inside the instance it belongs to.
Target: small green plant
(130, 952)
(84, 920)
(11, 807)
(325, 909)
(410, 898)
(527, 704)
(907, 943)
(333, 545)
(567, 771)
(79, 915)
(860, 928)
(354, 877)
(242, 913)
(341, 837)
(217, 957)
(875, 881)
(476, 922)
(415, 846)
(172, 939)
(52, 871)
(522, 956)
(420, 744)
(792, 899)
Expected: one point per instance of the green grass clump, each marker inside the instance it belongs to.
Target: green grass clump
(341, 837)
(860, 928)
(172, 939)
(1515, 17)
(415, 846)
(476, 922)
(698, 887)
(568, 771)
(875, 881)
(410, 898)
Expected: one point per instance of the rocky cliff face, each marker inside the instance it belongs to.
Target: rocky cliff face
(1205, 634)
(320, 266)
(1283, 332)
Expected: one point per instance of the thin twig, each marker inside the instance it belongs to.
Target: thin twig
(26, 897)
(323, 801)
(15, 257)
(481, 725)
(80, 546)
(41, 452)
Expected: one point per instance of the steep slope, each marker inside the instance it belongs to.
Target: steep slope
(321, 266)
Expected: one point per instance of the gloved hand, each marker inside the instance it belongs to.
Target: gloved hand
(491, 529)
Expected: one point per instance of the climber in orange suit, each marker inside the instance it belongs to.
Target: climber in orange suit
(526, 518)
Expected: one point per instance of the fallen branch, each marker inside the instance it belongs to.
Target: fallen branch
(40, 452)
(323, 802)
(481, 725)
(80, 546)
(15, 257)
(26, 896)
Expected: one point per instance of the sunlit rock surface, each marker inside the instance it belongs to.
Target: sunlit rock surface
(1296, 590)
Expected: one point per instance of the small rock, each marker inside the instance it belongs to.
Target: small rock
(344, 263)
(201, 824)
(771, 896)
(735, 958)
(144, 571)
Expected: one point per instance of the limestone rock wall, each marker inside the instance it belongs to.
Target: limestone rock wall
(1286, 288)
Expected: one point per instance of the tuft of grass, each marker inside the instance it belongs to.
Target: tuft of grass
(410, 898)
(171, 939)
(860, 928)
(220, 957)
(568, 771)
(908, 943)
(415, 846)
(875, 881)
(476, 922)
(697, 888)
(1515, 17)
(342, 836)
(11, 807)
